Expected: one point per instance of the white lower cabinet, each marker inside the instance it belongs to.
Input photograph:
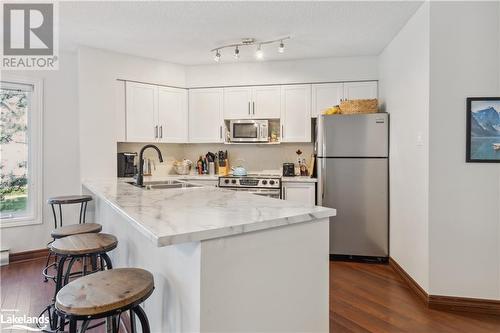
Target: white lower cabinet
(299, 192)
(206, 122)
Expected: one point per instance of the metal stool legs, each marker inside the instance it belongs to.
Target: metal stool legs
(112, 322)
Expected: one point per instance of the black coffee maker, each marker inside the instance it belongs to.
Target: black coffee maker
(126, 166)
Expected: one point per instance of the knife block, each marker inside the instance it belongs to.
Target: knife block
(224, 170)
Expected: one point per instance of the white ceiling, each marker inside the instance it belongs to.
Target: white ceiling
(185, 32)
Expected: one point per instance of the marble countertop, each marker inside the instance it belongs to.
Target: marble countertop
(173, 216)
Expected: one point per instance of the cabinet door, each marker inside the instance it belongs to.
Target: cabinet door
(325, 95)
(237, 103)
(266, 102)
(141, 112)
(296, 113)
(205, 115)
(361, 90)
(172, 115)
(304, 193)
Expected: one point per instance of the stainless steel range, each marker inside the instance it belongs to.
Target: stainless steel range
(265, 185)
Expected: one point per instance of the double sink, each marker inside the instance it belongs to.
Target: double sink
(165, 184)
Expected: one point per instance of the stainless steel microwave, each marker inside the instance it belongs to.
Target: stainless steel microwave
(249, 130)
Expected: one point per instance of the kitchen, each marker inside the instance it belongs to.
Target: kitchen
(228, 112)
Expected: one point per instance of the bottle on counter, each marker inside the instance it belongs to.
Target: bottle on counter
(199, 166)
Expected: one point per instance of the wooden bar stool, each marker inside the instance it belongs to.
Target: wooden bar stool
(72, 229)
(93, 246)
(106, 295)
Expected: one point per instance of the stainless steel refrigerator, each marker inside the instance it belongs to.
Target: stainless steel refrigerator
(353, 177)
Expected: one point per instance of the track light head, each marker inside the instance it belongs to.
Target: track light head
(281, 49)
(236, 53)
(217, 56)
(259, 54)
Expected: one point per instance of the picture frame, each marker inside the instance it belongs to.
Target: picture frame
(483, 130)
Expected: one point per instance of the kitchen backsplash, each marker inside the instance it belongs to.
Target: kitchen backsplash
(252, 157)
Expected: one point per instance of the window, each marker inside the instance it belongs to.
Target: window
(20, 151)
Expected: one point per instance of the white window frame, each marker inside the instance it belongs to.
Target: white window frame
(35, 151)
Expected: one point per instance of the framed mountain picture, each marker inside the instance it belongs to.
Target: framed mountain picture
(483, 129)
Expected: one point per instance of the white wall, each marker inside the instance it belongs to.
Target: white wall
(60, 152)
(97, 74)
(404, 93)
(464, 197)
(274, 72)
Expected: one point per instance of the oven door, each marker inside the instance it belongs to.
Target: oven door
(247, 131)
(266, 192)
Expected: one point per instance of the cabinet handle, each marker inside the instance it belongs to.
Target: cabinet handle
(283, 194)
(282, 132)
(220, 131)
(249, 107)
(253, 107)
(161, 132)
(156, 132)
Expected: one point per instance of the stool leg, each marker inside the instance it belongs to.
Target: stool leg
(84, 326)
(62, 323)
(142, 318)
(68, 270)
(72, 326)
(59, 281)
(47, 265)
(132, 321)
(107, 260)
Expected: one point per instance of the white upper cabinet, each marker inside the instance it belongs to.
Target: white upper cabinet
(325, 95)
(237, 103)
(360, 90)
(141, 112)
(261, 102)
(172, 115)
(206, 122)
(155, 113)
(266, 102)
(296, 113)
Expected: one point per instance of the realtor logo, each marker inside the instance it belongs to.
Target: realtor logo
(29, 36)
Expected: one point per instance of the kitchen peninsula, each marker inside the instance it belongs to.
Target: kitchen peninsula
(222, 260)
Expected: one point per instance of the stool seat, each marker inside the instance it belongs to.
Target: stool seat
(75, 229)
(84, 244)
(105, 291)
(69, 199)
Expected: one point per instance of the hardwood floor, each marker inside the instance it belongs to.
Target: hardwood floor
(373, 298)
(363, 298)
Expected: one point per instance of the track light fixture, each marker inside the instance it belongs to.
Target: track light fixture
(281, 49)
(217, 56)
(259, 53)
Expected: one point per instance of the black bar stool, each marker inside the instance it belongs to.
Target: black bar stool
(87, 248)
(73, 229)
(106, 295)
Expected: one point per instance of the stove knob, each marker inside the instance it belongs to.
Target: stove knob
(226, 181)
(271, 182)
(233, 181)
(264, 182)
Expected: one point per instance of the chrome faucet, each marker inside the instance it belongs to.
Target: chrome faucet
(140, 175)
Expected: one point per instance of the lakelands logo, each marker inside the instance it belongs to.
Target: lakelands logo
(30, 36)
(10, 319)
